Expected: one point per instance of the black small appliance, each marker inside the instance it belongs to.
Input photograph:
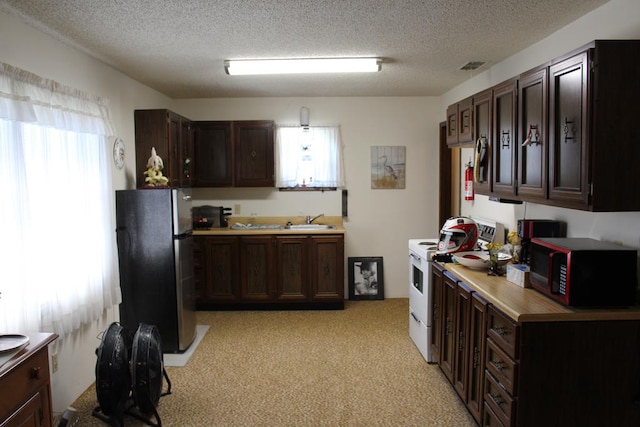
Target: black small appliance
(530, 228)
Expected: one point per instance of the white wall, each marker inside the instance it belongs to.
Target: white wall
(26, 48)
(617, 19)
(380, 221)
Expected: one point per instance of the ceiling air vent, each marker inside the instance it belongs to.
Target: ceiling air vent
(473, 65)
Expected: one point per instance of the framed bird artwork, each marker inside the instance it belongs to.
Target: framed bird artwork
(388, 167)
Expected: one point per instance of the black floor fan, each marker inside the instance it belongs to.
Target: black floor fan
(129, 373)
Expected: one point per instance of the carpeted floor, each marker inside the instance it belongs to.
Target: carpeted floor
(356, 367)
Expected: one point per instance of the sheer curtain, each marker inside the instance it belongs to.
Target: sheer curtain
(57, 257)
(309, 156)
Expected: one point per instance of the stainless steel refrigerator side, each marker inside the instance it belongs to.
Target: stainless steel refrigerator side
(185, 291)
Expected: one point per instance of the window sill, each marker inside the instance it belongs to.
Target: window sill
(323, 189)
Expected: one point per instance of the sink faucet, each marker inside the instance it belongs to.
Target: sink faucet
(310, 220)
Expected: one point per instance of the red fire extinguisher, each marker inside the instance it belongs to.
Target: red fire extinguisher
(468, 182)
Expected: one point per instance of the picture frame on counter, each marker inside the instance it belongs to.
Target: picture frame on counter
(366, 278)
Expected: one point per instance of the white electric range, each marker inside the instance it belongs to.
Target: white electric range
(421, 252)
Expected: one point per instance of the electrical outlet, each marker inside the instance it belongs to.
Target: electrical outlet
(54, 362)
(236, 209)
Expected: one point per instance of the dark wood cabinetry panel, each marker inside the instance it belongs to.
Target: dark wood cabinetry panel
(269, 271)
(254, 153)
(213, 155)
(483, 112)
(465, 122)
(172, 137)
(220, 266)
(581, 110)
(292, 270)
(25, 385)
(504, 138)
(460, 123)
(568, 180)
(256, 268)
(436, 312)
(452, 125)
(532, 139)
(234, 154)
(461, 359)
(477, 340)
(448, 350)
(327, 268)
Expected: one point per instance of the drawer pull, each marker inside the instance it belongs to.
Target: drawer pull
(499, 365)
(496, 398)
(502, 331)
(35, 373)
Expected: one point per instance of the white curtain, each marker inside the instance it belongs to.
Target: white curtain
(303, 153)
(57, 256)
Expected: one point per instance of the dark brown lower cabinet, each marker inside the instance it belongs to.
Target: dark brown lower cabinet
(566, 372)
(460, 337)
(292, 268)
(256, 268)
(25, 385)
(327, 268)
(269, 271)
(447, 349)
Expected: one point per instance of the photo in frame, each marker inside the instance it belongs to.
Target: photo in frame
(366, 278)
(388, 167)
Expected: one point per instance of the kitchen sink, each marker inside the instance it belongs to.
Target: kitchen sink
(238, 226)
(311, 227)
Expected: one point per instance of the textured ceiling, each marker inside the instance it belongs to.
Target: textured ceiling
(178, 46)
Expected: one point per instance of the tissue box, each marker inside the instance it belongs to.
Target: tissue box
(518, 274)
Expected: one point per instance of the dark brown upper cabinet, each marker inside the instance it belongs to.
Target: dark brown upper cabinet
(460, 127)
(213, 154)
(172, 137)
(532, 139)
(504, 138)
(482, 111)
(593, 127)
(234, 154)
(254, 153)
(565, 134)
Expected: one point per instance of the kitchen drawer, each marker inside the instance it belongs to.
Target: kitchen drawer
(490, 418)
(504, 332)
(502, 404)
(25, 380)
(503, 368)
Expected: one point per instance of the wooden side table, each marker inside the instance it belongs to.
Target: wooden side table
(25, 385)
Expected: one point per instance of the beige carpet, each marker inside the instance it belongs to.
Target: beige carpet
(356, 367)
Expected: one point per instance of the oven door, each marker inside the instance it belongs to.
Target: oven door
(418, 276)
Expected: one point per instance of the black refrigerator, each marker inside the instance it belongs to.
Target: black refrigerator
(155, 256)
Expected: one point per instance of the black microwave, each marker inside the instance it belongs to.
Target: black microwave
(584, 272)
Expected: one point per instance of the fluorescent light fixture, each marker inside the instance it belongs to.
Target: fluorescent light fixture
(302, 66)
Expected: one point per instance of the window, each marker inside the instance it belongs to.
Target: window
(58, 253)
(309, 157)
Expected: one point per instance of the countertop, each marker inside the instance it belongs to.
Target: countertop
(335, 221)
(529, 305)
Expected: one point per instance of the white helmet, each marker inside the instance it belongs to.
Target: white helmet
(458, 234)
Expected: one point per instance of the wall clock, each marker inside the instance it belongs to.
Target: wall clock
(118, 153)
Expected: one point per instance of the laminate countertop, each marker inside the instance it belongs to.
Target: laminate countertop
(529, 305)
(281, 222)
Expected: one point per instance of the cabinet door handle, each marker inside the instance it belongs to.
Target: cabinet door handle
(566, 130)
(35, 373)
